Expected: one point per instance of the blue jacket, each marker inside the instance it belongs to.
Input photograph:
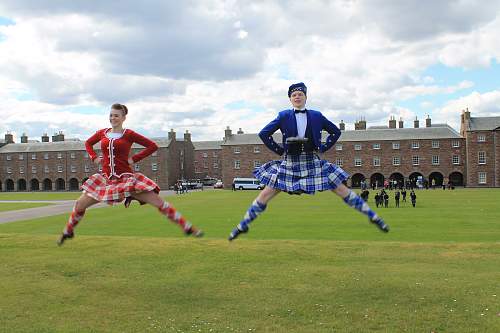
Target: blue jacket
(287, 123)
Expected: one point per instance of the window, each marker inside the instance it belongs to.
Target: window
(8, 158)
(99, 168)
(357, 146)
(455, 143)
(395, 145)
(256, 164)
(376, 146)
(21, 157)
(46, 156)
(376, 161)
(9, 170)
(338, 146)
(396, 160)
(73, 168)
(236, 150)
(455, 159)
(435, 144)
(214, 154)
(415, 160)
(415, 144)
(256, 150)
(33, 169)
(481, 177)
(154, 166)
(205, 155)
(72, 155)
(435, 160)
(86, 155)
(481, 157)
(33, 156)
(136, 167)
(205, 164)
(46, 169)
(357, 162)
(216, 165)
(87, 169)
(59, 168)
(21, 169)
(59, 155)
(339, 161)
(237, 164)
(481, 138)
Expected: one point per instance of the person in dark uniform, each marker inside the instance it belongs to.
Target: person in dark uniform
(386, 199)
(413, 197)
(364, 195)
(377, 199)
(396, 198)
(403, 194)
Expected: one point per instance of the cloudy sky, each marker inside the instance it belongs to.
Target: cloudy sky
(204, 65)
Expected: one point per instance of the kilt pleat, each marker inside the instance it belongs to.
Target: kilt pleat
(115, 190)
(304, 173)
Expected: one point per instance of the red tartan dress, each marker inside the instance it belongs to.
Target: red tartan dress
(117, 180)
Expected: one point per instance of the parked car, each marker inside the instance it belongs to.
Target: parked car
(219, 184)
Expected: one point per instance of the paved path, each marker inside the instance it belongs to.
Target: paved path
(56, 207)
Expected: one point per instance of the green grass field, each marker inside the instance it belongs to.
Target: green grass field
(5, 206)
(309, 264)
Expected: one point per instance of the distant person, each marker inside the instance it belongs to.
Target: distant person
(301, 170)
(364, 195)
(386, 199)
(396, 198)
(403, 195)
(377, 199)
(413, 198)
(118, 182)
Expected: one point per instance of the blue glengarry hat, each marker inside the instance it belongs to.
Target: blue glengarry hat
(297, 87)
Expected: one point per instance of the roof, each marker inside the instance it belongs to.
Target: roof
(69, 145)
(371, 134)
(484, 123)
(204, 145)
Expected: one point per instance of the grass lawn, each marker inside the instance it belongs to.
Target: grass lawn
(4, 206)
(309, 264)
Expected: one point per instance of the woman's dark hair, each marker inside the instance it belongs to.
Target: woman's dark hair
(121, 107)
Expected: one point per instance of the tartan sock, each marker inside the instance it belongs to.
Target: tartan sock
(73, 220)
(255, 210)
(173, 215)
(355, 201)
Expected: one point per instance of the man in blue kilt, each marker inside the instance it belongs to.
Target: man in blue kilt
(301, 170)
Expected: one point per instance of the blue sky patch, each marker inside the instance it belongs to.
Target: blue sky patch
(6, 21)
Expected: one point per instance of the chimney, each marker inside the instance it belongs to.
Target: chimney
(428, 121)
(171, 135)
(227, 133)
(240, 131)
(9, 138)
(360, 124)
(55, 137)
(392, 122)
(45, 137)
(342, 125)
(466, 114)
(24, 138)
(464, 122)
(60, 136)
(401, 123)
(415, 123)
(187, 136)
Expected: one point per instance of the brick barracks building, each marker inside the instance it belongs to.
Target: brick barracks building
(435, 151)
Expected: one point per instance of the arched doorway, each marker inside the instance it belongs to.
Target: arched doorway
(437, 177)
(73, 184)
(377, 180)
(356, 180)
(414, 177)
(21, 185)
(60, 184)
(9, 185)
(34, 185)
(399, 178)
(456, 179)
(47, 184)
(1, 189)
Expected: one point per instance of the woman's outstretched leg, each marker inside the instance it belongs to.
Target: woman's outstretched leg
(256, 208)
(169, 211)
(355, 201)
(76, 216)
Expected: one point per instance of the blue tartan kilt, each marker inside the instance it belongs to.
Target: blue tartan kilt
(304, 173)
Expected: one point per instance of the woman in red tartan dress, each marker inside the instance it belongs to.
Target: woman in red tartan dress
(117, 181)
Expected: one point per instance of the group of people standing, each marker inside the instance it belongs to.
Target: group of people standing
(382, 197)
(300, 171)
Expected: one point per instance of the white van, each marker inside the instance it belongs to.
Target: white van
(247, 184)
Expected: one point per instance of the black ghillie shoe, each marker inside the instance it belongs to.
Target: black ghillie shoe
(236, 232)
(63, 237)
(380, 224)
